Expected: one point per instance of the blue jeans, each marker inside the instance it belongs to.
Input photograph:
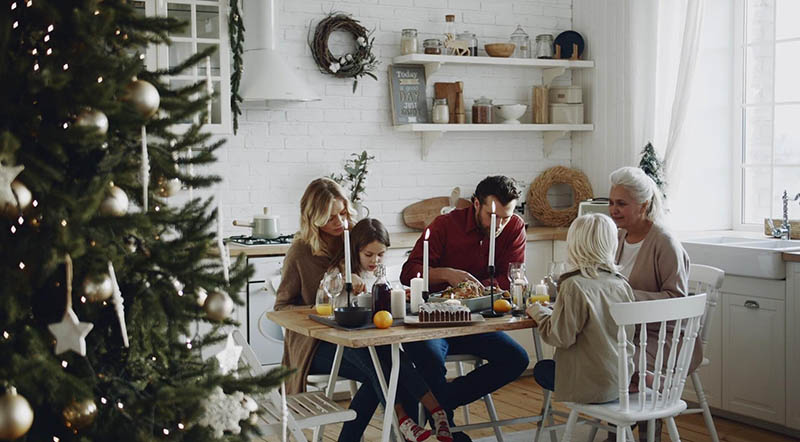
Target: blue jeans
(505, 361)
(545, 374)
(357, 365)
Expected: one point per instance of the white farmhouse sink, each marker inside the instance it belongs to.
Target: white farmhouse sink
(758, 258)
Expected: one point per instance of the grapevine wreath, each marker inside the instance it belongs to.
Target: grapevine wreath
(537, 195)
(355, 64)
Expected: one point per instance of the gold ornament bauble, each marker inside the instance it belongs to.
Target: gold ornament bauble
(168, 187)
(79, 414)
(143, 96)
(218, 305)
(97, 288)
(16, 415)
(24, 199)
(93, 119)
(115, 204)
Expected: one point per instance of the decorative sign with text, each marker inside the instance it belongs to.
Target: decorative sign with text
(407, 88)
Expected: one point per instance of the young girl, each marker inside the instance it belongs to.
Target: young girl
(580, 325)
(323, 210)
(369, 240)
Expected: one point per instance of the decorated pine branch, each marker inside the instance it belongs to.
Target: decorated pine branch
(653, 167)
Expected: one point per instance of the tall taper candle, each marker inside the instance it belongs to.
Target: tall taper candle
(209, 87)
(348, 278)
(425, 287)
(492, 235)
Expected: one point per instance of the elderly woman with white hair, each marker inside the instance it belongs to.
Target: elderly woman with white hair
(580, 325)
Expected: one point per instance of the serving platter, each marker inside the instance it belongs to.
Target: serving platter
(415, 322)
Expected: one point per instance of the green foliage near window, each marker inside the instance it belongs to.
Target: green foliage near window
(653, 167)
(71, 134)
(354, 177)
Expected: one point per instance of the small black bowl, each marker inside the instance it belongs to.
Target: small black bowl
(352, 316)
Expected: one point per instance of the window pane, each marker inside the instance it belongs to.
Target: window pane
(787, 136)
(207, 21)
(177, 84)
(138, 8)
(216, 105)
(787, 71)
(183, 13)
(215, 68)
(786, 16)
(760, 20)
(786, 178)
(758, 135)
(178, 53)
(759, 71)
(756, 188)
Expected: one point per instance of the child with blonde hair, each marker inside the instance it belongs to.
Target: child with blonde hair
(580, 325)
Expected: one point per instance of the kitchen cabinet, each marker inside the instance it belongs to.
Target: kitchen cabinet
(550, 69)
(753, 352)
(711, 374)
(793, 345)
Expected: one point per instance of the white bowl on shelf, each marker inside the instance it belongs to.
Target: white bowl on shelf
(510, 113)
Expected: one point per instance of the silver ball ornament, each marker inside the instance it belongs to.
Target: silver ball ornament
(16, 415)
(143, 96)
(218, 305)
(79, 414)
(93, 118)
(115, 204)
(24, 199)
(97, 288)
(168, 187)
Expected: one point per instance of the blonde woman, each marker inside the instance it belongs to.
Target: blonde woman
(323, 210)
(580, 325)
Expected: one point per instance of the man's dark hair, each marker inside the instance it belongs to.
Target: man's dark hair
(502, 187)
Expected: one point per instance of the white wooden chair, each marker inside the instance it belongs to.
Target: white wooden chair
(663, 400)
(708, 280)
(293, 412)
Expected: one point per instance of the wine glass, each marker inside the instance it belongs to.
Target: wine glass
(333, 285)
(330, 286)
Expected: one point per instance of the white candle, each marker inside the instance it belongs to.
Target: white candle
(348, 278)
(398, 303)
(425, 286)
(209, 87)
(491, 236)
(416, 293)
(541, 288)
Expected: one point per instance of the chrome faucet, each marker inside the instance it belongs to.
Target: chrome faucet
(785, 230)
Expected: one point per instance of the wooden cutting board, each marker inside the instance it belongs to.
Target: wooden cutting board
(420, 214)
(454, 93)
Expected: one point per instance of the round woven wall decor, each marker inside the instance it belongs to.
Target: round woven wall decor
(537, 195)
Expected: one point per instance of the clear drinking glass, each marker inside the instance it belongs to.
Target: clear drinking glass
(331, 286)
(519, 285)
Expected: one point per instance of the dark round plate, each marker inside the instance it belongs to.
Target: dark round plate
(566, 39)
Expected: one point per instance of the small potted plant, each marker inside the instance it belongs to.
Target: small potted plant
(354, 180)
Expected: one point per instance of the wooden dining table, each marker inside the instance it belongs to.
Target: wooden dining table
(298, 321)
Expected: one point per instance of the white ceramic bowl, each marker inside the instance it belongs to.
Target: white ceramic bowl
(510, 113)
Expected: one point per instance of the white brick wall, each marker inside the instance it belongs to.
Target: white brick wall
(280, 148)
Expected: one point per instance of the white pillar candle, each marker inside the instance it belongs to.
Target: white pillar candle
(348, 278)
(425, 286)
(541, 288)
(492, 235)
(398, 303)
(416, 294)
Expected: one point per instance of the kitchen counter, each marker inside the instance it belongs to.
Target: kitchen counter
(791, 256)
(400, 240)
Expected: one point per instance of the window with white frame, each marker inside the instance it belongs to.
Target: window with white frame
(770, 108)
(207, 25)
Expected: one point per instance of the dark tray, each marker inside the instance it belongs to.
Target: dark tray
(332, 323)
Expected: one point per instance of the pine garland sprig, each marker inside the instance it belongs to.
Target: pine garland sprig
(236, 31)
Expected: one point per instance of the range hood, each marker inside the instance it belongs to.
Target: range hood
(266, 74)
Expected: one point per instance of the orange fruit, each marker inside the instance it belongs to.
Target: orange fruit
(502, 306)
(383, 319)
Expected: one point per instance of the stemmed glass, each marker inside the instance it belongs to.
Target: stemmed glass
(331, 286)
(519, 285)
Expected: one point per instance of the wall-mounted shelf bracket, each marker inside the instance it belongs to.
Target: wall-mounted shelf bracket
(548, 74)
(428, 140)
(550, 137)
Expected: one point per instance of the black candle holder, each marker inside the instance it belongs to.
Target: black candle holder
(425, 295)
(492, 313)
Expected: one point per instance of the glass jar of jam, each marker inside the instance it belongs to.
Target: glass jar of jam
(432, 46)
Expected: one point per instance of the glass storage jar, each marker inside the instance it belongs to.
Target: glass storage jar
(408, 42)
(482, 111)
(523, 43)
(472, 42)
(544, 46)
(432, 46)
(441, 112)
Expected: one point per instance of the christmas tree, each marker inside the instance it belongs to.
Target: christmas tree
(109, 290)
(653, 167)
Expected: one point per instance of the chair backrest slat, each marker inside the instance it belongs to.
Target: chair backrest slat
(686, 312)
(708, 280)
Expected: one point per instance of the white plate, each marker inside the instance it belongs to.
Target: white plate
(414, 321)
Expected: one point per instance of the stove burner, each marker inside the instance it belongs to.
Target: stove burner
(250, 241)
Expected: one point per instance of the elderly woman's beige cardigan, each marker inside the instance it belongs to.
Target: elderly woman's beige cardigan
(300, 277)
(661, 271)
